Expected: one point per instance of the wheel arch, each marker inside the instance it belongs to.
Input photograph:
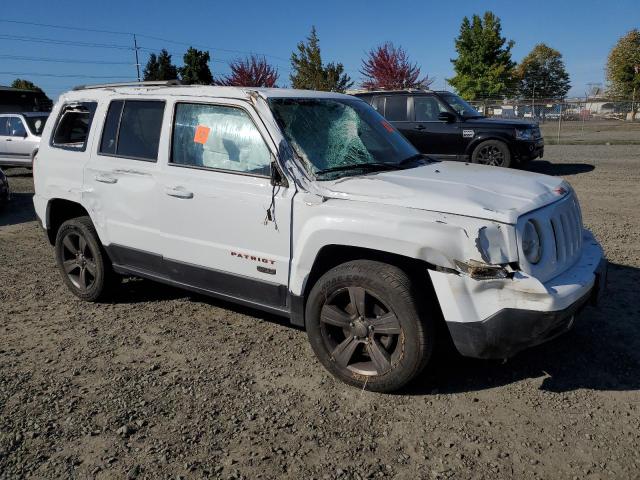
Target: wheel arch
(483, 138)
(59, 210)
(332, 255)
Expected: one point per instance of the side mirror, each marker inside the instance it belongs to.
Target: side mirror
(277, 178)
(447, 117)
(24, 135)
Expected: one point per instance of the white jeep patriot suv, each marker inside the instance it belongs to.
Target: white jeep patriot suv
(312, 206)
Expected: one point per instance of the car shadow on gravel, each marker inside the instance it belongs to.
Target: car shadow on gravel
(601, 352)
(18, 210)
(139, 290)
(559, 169)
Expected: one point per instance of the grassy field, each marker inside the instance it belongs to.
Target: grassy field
(592, 132)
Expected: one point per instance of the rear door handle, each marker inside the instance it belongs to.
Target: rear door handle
(105, 179)
(8, 139)
(420, 127)
(178, 192)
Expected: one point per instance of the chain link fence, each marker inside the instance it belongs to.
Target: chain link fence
(589, 121)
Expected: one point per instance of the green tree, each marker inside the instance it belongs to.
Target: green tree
(542, 74)
(159, 67)
(484, 67)
(25, 84)
(623, 65)
(310, 74)
(28, 85)
(196, 68)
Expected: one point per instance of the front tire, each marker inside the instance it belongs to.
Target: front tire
(366, 327)
(492, 152)
(83, 264)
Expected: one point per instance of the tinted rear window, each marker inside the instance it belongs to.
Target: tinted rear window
(396, 108)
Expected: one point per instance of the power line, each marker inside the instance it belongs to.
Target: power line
(62, 75)
(54, 41)
(151, 37)
(62, 60)
(64, 27)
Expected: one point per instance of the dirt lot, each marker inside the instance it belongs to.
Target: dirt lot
(594, 131)
(164, 384)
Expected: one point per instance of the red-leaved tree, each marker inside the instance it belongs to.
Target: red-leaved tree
(387, 67)
(252, 71)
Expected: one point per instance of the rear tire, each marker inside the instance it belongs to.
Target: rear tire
(492, 152)
(366, 326)
(83, 263)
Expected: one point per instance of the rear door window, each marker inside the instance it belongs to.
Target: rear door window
(74, 123)
(395, 109)
(132, 129)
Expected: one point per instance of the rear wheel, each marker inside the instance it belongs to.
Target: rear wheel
(84, 266)
(492, 152)
(366, 328)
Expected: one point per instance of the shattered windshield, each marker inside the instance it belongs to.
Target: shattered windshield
(338, 137)
(459, 105)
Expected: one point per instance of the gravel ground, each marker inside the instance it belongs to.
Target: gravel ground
(166, 384)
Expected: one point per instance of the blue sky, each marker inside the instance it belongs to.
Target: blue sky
(583, 31)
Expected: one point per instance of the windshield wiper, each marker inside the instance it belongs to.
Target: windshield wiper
(412, 158)
(359, 166)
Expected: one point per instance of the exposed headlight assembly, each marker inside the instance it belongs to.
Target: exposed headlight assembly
(531, 243)
(524, 133)
(480, 271)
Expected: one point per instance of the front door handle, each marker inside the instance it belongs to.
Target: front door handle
(178, 192)
(105, 179)
(420, 127)
(8, 139)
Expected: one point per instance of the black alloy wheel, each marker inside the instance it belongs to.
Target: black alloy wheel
(492, 152)
(368, 325)
(83, 263)
(78, 261)
(361, 332)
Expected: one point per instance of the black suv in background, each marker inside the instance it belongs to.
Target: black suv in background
(444, 126)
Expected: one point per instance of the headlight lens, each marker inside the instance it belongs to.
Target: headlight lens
(531, 244)
(524, 134)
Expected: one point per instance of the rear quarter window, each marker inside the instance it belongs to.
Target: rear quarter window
(73, 125)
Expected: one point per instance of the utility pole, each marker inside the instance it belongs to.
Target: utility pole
(135, 48)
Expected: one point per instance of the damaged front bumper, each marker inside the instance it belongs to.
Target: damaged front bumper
(497, 318)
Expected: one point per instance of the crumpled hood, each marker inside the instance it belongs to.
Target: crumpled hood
(492, 193)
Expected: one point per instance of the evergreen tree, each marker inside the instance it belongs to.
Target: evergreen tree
(152, 68)
(484, 67)
(335, 80)
(542, 74)
(159, 67)
(309, 73)
(196, 68)
(623, 66)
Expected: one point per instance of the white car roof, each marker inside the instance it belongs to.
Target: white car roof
(242, 93)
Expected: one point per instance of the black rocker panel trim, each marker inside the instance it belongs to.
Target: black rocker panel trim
(227, 286)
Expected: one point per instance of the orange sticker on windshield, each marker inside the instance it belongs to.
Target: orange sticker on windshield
(202, 134)
(388, 126)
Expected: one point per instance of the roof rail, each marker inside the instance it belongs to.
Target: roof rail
(153, 83)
